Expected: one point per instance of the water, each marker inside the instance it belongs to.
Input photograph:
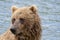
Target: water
(49, 11)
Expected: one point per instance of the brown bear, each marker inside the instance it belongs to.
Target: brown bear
(25, 24)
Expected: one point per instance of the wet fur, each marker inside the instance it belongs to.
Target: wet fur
(33, 33)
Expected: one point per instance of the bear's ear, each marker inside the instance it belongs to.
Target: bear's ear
(13, 8)
(33, 8)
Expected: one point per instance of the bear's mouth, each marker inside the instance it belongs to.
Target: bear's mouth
(20, 34)
(15, 32)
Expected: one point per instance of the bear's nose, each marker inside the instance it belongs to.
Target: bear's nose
(13, 30)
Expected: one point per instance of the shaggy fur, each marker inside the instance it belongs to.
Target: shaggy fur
(26, 22)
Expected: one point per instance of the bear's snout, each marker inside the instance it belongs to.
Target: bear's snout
(13, 30)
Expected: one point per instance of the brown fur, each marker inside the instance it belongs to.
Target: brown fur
(28, 29)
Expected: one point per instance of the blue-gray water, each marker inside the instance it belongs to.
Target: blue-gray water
(49, 11)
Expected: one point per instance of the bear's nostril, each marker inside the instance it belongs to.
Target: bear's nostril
(13, 30)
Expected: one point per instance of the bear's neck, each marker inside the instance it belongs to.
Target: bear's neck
(27, 36)
(22, 37)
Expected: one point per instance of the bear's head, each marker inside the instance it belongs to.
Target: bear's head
(23, 19)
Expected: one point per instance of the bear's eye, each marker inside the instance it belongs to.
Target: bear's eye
(13, 20)
(21, 20)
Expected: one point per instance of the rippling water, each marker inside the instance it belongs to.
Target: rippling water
(49, 11)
